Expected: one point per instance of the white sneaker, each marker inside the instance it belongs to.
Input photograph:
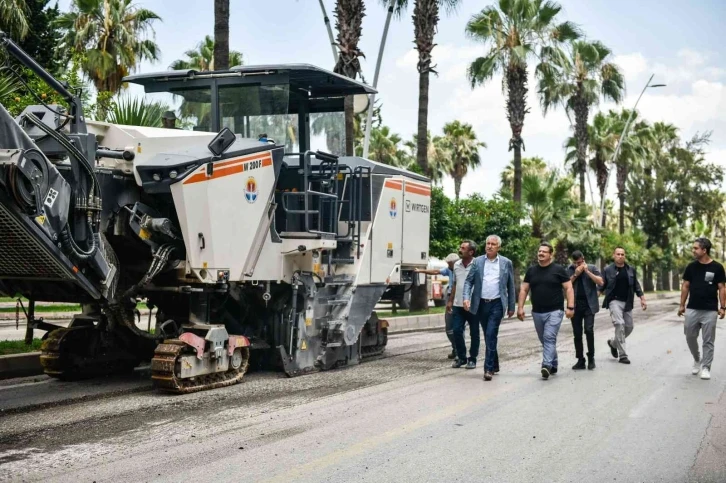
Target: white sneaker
(705, 373)
(696, 368)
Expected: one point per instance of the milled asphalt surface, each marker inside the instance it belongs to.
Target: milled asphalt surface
(403, 417)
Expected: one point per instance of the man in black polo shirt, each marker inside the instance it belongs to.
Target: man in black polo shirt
(704, 283)
(547, 281)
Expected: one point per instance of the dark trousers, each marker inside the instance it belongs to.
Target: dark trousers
(490, 315)
(449, 319)
(583, 315)
(461, 317)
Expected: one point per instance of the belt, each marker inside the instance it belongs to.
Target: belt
(486, 301)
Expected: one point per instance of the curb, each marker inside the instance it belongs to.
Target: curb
(20, 365)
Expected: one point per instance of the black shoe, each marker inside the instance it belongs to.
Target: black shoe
(452, 355)
(553, 370)
(496, 371)
(613, 350)
(580, 364)
(458, 363)
(545, 372)
(591, 363)
(471, 365)
(624, 360)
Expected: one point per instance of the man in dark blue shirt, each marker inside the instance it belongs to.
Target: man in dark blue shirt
(447, 271)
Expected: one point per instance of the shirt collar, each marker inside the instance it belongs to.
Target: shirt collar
(496, 259)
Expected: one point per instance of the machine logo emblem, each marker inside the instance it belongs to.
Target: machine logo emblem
(251, 190)
(393, 208)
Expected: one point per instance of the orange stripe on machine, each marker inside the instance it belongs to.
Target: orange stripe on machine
(229, 168)
(393, 184)
(419, 190)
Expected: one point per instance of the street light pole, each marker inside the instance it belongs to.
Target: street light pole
(369, 118)
(620, 142)
(326, 19)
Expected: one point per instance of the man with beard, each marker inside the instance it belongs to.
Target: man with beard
(585, 279)
(461, 315)
(703, 285)
(547, 281)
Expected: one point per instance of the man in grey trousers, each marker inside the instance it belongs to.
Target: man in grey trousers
(620, 284)
(704, 283)
(548, 281)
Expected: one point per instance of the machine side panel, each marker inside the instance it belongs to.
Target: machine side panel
(226, 207)
(385, 246)
(416, 214)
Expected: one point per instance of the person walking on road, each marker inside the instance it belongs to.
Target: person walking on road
(467, 250)
(448, 272)
(488, 293)
(704, 286)
(547, 281)
(620, 284)
(585, 279)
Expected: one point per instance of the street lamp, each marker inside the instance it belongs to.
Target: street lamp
(620, 141)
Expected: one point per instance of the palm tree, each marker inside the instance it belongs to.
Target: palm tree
(112, 37)
(551, 207)
(533, 166)
(348, 20)
(516, 31)
(603, 137)
(440, 163)
(221, 34)
(202, 59)
(9, 84)
(137, 112)
(13, 18)
(460, 140)
(385, 147)
(633, 150)
(578, 82)
(425, 23)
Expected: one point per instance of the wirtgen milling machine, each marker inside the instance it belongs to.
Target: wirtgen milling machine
(240, 242)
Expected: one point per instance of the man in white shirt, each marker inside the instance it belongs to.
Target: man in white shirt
(467, 249)
(489, 293)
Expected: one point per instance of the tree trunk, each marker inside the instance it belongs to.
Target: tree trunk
(221, 34)
(423, 112)
(622, 212)
(419, 298)
(581, 114)
(349, 126)
(516, 78)
(457, 186)
(675, 279)
(662, 280)
(648, 279)
(517, 191)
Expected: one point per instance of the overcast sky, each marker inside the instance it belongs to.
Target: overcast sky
(678, 41)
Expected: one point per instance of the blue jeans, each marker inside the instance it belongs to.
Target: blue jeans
(547, 326)
(490, 315)
(461, 317)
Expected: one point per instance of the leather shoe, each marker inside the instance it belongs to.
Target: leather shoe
(488, 376)
(452, 355)
(591, 363)
(580, 364)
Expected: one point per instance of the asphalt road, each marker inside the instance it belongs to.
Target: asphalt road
(404, 417)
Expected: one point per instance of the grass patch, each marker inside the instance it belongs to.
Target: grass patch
(44, 309)
(8, 347)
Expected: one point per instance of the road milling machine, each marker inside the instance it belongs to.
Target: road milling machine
(240, 237)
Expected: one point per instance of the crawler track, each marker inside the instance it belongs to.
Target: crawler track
(166, 364)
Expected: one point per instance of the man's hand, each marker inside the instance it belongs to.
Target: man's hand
(449, 307)
(467, 305)
(569, 313)
(642, 303)
(417, 270)
(511, 312)
(580, 269)
(721, 313)
(682, 310)
(520, 313)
